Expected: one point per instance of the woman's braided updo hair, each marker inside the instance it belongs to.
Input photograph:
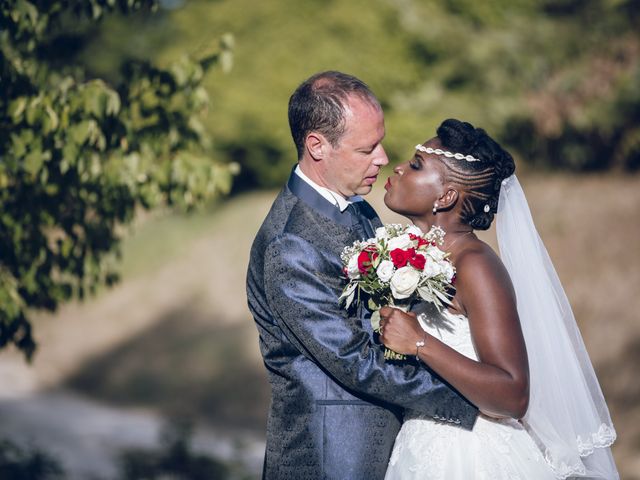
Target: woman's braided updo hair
(480, 180)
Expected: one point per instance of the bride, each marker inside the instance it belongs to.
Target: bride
(508, 343)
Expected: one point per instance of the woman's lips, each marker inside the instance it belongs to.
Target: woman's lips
(388, 184)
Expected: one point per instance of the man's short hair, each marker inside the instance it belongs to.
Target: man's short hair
(318, 105)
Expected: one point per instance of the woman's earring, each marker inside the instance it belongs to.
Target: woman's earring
(435, 208)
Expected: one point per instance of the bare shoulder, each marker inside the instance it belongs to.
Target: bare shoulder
(479, 271)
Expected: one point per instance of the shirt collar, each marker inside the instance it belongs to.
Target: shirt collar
(335, 198)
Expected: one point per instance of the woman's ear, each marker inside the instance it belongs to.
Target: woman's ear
(315, 145)
(449, 199)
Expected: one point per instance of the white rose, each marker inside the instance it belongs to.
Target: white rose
(448, 271)
(431, 268)
(352, 268)
(404, 282)
(385, 270)
(403, 242)
(381, 233)
(414, 229)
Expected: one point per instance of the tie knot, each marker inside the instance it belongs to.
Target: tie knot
(360, 220)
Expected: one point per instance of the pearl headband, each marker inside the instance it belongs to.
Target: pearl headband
(457, 156)
(437, 151)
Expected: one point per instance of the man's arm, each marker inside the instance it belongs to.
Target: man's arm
(307, 310)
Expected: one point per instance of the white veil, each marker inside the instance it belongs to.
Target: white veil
(567, 414)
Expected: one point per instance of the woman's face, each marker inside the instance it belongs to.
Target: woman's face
(416, 184)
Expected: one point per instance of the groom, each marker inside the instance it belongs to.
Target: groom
(336, 404)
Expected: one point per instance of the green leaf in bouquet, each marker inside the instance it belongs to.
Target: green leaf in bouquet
(426, 294)
(373, 305)
(442, 297)
(375, 321)
(347, 295)
(391, 355)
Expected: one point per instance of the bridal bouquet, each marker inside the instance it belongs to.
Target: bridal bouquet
(398, 267)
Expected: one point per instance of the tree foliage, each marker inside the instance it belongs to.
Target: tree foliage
(79, 155)
(557, 80)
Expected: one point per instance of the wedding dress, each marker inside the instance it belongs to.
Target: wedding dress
(495, 449)
(567, 430)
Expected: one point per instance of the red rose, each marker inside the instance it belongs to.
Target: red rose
(371, 249)
(400, 257)
(365, 261)
(418, 261)
(421, 241)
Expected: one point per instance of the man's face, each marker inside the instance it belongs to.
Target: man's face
(352, 167)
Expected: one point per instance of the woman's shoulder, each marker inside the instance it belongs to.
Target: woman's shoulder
(475, 253)
(478, 264)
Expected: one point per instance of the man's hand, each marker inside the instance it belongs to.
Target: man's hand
(399, 331)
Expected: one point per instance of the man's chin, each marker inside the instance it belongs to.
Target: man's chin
(364, 190)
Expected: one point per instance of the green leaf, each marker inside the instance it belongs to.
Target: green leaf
(33, 162)
(17, 108)
(18, 145)
(50, 121)
(80, 132)
(375, 320)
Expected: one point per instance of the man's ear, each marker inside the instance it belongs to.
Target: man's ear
(449, 199)
(315, 143)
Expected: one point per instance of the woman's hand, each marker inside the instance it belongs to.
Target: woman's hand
(399, 331)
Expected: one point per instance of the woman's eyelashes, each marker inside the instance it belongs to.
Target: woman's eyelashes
(416, 163)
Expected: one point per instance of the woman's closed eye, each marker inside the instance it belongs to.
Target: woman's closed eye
(416, 163)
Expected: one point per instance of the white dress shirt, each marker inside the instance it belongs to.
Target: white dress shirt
(335, 198)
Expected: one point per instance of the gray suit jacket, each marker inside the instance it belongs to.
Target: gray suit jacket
(336, 405)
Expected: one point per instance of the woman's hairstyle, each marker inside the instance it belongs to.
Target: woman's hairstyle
(480, 180)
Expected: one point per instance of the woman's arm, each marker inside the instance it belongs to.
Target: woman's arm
(498, 383)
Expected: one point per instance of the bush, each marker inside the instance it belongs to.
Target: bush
(175, 459)
(81, 156)
(17, 463)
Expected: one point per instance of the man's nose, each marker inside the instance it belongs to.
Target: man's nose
(381, 158)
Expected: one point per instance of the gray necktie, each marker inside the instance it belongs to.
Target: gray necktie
(360, 221)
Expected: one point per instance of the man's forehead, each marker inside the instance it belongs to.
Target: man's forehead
(356, 102)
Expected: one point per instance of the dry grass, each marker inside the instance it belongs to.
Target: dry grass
(179, 337)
